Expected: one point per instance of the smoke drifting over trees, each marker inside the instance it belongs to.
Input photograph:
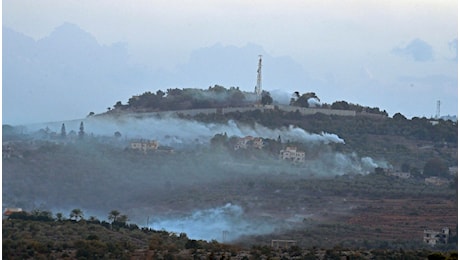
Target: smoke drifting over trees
(100, 172)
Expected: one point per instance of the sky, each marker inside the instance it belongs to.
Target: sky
(400, 56)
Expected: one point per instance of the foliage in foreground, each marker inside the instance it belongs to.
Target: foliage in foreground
(91, 239)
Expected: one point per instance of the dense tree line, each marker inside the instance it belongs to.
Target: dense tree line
(189, 98)
(416, 128)
(219, 96)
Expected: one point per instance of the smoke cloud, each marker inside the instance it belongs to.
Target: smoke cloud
(172, 131)
(181, 190)
(223, 224)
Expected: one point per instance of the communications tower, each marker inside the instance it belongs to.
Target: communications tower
(438, 109)
(258, 88)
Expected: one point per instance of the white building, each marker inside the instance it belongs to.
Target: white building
(432, 237)
(290, 153)
(144, 145)
(436, 181)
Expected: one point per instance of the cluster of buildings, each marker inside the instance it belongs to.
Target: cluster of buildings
(289, 153)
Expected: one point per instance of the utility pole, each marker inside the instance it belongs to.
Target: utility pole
(258, 89)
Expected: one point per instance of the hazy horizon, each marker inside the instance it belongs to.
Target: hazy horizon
(62, 61)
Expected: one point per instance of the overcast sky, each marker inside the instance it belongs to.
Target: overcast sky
(398, 55)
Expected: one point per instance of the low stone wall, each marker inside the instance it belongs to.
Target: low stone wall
(207, 111)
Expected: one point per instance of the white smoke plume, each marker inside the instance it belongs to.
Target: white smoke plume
(223, 224)
(334, 163)
(281, 96)
(174, 131)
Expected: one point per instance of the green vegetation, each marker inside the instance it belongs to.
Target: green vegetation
(219, 97)
(29, 238)
(178, 99)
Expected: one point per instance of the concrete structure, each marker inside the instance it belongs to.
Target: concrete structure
(436, 181)
(144, 145)
(9, 211)
(311, 111)
(290, 153)
(401, 175)
(432, 237)
(249, 141)
(278, 243)
(225, 110)
(165, 149)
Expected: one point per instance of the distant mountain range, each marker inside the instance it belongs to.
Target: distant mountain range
(62, 76)
(68, 74)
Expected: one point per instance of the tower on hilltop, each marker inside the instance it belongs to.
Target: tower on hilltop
(258, 88)
(438, 109)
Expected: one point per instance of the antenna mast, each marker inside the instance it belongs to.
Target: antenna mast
(438, 109)
(258, 89)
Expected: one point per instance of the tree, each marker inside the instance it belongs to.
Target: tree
(117, 134)
(123, 219)
(118, 105)
(59, 216)
(113, 215)
(436, 167)
(266, 98)
(63, 131)
(160, 94)
(76, 214)
(379, 170)
(81, 133)
(342, 105)
(236, 98)
(93, 219)
(219, 139)
(302, 101)
(405, 167)
(399, 117)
